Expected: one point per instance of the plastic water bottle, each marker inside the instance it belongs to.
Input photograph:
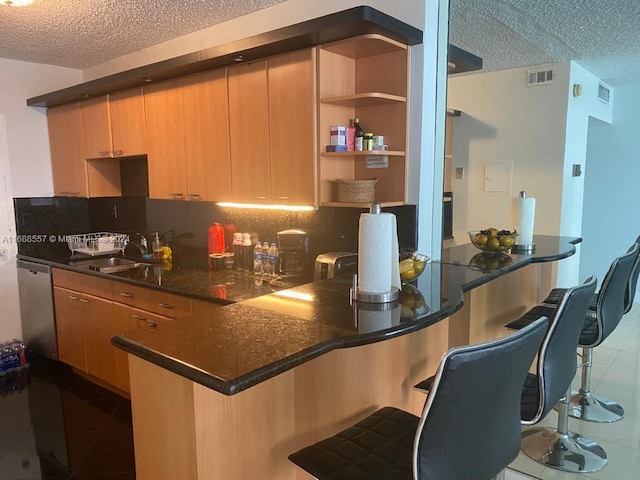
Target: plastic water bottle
(264, 256)
(257, 259)
(273, 255)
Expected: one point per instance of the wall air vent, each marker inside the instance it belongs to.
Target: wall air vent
(541, 77)
(604, 93)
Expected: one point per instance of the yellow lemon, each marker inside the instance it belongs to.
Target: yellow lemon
(405, 265)
(408, 274)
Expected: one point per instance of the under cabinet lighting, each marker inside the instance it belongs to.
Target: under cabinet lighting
(289, 208)
(17, 3)
(307, 297)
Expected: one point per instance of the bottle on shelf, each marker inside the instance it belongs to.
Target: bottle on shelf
(273, 257)
(359, 136)
(237, 251)
(264, 256)
(351, 137)
(257, 259)
(367, 141)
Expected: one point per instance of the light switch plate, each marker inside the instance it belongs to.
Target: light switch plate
(459, 173)
(576, 171)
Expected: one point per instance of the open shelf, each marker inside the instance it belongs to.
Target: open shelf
(364, 46)
(362, 205)
(364, 99)
(365, 153)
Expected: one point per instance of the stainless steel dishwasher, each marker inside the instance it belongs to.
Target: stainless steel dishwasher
(36, 308)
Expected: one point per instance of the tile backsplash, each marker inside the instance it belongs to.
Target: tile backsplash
(184, 225)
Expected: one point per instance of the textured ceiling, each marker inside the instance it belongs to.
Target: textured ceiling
(83, 33)
(602, 35)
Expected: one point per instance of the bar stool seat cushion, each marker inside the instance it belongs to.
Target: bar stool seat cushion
(380, 446)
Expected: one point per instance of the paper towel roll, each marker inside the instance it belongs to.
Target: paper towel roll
(523, 211)
(378, 268)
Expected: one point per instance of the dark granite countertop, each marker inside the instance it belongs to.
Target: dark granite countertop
(241, 345)
(223, 286)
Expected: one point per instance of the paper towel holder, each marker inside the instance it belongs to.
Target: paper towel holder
(356, 295)
(519, 248)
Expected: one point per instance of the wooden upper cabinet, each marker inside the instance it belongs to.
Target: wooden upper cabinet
(127, 123)
(96, 134)
(249, 132)
(165, 140)
(206, 124)
(114, 126)
(292, 127)
(67, 159)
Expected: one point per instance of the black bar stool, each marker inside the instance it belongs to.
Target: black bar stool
(613, 300)
(558, 447)
(469, 428)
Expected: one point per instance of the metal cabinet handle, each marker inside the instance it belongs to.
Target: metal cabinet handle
(126, 294)
(117, 152)
(166, 305)
(84, 300)
(103, 153)
(152, 323)
(138, 317)
(283, 198)
(193, 195)
(176, 195)
(259, 198)
(73, 194)
(72, 297)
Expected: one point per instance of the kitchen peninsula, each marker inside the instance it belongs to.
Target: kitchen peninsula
(231, 393)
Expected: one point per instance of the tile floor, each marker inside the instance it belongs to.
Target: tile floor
(615, 374)
(62, 427)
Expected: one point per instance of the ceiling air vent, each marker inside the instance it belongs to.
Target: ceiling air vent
(604, 93)
(541, 77)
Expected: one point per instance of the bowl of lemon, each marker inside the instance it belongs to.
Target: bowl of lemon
(492, 239)
(412, 267)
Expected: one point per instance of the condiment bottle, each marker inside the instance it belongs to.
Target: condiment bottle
(358, 143)
(367, 141)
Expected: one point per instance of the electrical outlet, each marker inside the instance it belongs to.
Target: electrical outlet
(459, 173)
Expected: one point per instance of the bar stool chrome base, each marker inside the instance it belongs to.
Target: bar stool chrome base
(592, 408)
(568, 452)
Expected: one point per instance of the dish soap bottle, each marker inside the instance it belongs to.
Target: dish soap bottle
(157, 247)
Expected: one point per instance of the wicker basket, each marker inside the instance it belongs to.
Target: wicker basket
(356, 191)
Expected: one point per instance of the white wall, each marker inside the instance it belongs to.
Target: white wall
(611, 214)
(25, 168)
(579, 110)
(504, 120)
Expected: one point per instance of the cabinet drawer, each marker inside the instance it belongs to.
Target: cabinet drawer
(131, 295)
(169, 305)
(80, 282)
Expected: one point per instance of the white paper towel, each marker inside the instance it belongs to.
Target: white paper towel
(523, 212)
(378, 268)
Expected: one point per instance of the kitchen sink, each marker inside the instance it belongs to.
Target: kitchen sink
(109, 264)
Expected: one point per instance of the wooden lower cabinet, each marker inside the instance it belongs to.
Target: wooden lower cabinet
(127, 319)
(71, 347)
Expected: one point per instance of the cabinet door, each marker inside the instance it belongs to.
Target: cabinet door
(127, 123)
(67, 159)
(165, 140)
(249, 132)
(96, 134)
(71, 348)
(292, 126)
(126, 319)
(98, 329)
(206, 123)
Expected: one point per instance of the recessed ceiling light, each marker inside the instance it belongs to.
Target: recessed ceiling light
(238, 58)
(147, 79)
(17, 3)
